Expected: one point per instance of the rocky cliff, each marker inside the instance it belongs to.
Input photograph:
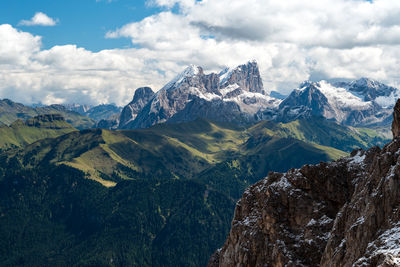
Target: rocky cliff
(141, 97)
(342, 213)
(247, 76)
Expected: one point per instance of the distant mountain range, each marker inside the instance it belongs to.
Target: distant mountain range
(97, 113)
(11, 112)
(237, 95)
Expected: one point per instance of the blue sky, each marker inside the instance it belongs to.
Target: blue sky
(100, 51)
(81, 22)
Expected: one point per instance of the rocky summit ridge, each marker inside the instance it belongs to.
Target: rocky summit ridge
(233, 95)
(342, 213)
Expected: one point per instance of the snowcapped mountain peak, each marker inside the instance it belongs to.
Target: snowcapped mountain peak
(366, 82)
(224, 75)
(373, 90)
(308, 84)
(190, 71)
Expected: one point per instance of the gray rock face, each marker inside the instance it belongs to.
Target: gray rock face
(309, 100)
(142, 96)
(396, 120)
(246, 76)
(343, 213)
(214, 110)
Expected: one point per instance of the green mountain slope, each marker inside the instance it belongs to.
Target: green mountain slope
(20, 133)
(11, 111)
(64, 219)
(175, 151)
(322, 132)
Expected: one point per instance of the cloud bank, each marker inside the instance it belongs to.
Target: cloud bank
(292, 41)
(39, 19)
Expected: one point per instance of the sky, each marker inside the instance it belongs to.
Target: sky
(100, 51)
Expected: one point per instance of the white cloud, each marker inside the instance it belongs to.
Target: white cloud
(16, 46)
(291, 40)
(69, 74)
(39, 19)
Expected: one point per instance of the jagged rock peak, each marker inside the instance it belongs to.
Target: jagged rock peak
(366, 82)
(308, 83)
(247, 76)
(142, 93)
(141, 97)
(190, 71)
(396, 120)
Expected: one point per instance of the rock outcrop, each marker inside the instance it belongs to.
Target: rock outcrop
(141, 97)
(247, 76)
(50, 121)
(342, 213)
(396, 120)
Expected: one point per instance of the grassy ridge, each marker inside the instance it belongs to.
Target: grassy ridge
(185, 150)
(20, 134)
(11, 112)
(323, 132)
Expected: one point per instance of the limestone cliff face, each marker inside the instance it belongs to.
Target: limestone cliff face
(247, 76)
(142, 96)
(343, 213)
